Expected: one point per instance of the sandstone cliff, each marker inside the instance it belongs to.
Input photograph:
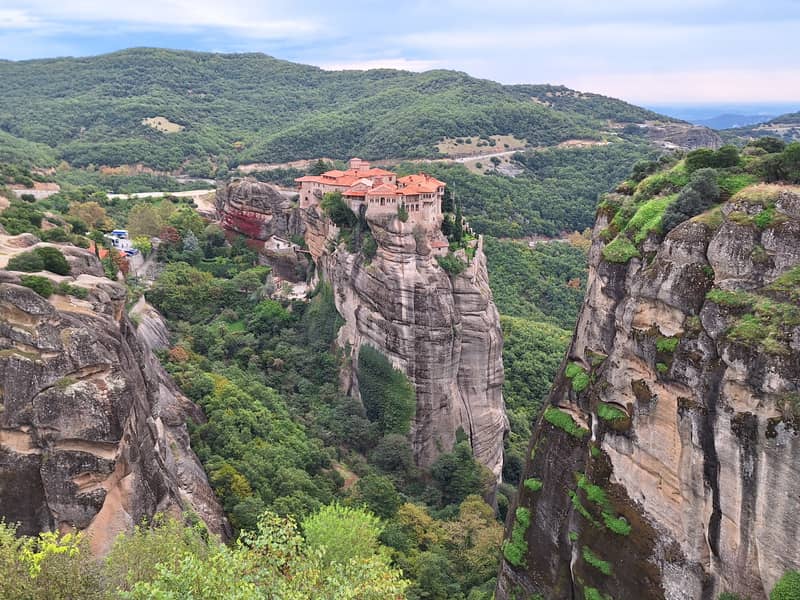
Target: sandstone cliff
(92, 429)
(668, 463)
(442, 331)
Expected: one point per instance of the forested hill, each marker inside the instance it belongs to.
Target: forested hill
(239, 108)
(786, 127)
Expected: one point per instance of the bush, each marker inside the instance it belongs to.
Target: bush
(54, 260)
(28, 262)
(620, 250)
(787, 588)
(56, 234)
(451, 264)
(516, 548)
(337, 210)
(40, 285)
(699, 194)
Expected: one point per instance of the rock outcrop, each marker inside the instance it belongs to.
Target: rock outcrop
(442, 331)
(668, 462)
(256, 210)
(92, 430)
(683, 136)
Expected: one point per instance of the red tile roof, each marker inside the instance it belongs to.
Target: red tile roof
(384, 188)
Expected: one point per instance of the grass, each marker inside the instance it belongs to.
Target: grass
(610, 413)
(533, 484)
(558, 418)
(713, 217)
(733, 183)
(516, 548)
(596, 495)
(662, 367)
(578, 376)
(788, 283)
(590, 593)
(592, 559)
(620, 250)
(648, 218)
(733, 299)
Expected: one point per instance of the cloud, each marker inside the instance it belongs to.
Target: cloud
(17, 19)
(244, 17)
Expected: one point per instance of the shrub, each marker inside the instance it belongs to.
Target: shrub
(56, 234)
(787, 588)
(592, 559)
(533, 484)
(516, 548)
(402, 212)
(607, 412)
(667, 344)
(451, 264)
(620, 250)
(578, 376)
(54, 260)
(337, 210)
(40, 285)
(699, 194)
(28, 262)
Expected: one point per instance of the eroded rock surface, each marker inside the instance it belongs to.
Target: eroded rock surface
(442, 331)
(694, 488)
(254, 209)
(92, 429)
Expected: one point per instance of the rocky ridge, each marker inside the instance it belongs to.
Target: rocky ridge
(92, 430)
(667, 462)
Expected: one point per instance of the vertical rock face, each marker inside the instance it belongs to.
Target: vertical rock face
(442, 331)
(92, 430)
(257, 210)
(673, 469)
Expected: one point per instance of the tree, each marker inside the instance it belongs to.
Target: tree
(143, 244)
(378, 494)
(345, 533)
(91, 213)
(388, 396)
(337, 210)
(457, 474)
(53, 260)
(458, 225)
(144, 221)
(320, 167)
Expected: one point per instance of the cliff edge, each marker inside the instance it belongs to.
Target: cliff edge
(667, 462)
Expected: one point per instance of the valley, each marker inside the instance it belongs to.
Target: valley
(346, 377)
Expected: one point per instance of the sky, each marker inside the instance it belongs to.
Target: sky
(669, 52)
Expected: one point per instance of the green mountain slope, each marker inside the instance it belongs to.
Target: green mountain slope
(240, 108)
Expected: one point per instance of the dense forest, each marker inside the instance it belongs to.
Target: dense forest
(557, 191)
(251, 107)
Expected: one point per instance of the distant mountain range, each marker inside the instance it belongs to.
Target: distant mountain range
(727, 116)
(173, 109)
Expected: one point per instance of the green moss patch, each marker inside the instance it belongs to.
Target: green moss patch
(578, 376)
(558, 418)
(620, 250)
(610, 413)
(592, 559)
(515, 549)
(667, 344)
(533, 484)
(648, 218)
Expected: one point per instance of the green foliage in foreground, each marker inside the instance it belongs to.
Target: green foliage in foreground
(41, 285)
(787, 588)
(620, 250)
(592, 559)
(607, 412)
(562, 420)
(171, 560)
